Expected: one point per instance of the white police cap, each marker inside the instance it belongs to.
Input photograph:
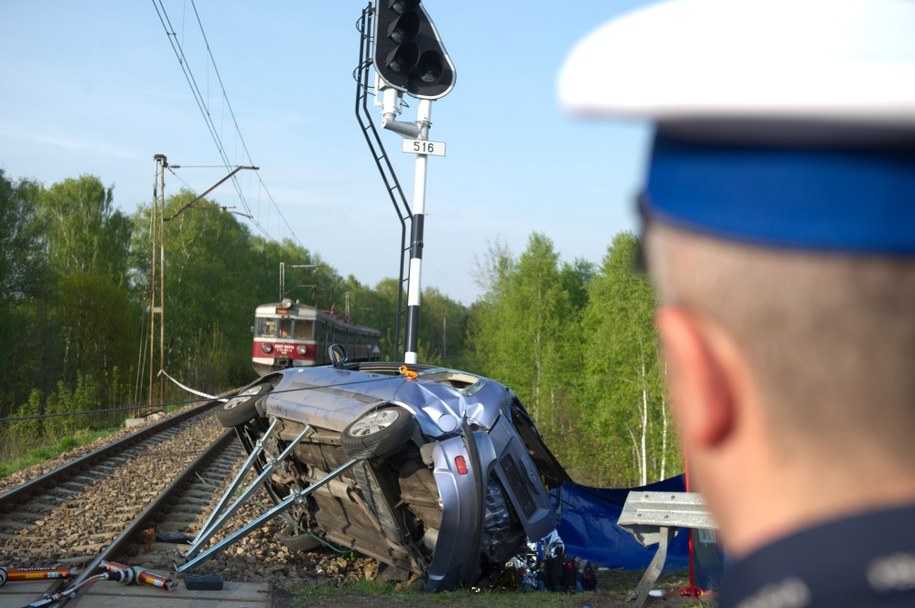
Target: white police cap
(711, 64)
(784, 123)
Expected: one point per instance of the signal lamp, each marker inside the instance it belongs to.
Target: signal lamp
(408, 53)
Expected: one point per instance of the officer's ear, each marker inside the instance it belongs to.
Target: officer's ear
(700, 378)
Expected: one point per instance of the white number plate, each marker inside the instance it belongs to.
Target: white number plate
(419, 146)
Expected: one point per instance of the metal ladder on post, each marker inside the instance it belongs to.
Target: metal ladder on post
(392, 184)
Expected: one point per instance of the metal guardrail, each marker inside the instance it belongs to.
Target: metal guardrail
(654, 518)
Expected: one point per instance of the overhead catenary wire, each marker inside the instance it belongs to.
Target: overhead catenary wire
(208, 119)
(178, 177)
(295, 389)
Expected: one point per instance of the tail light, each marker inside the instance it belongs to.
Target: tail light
(460, 463)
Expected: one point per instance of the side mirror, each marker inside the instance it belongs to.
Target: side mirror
(337, 355)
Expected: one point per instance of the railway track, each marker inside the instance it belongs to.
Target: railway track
(138, 501)
(79, 508)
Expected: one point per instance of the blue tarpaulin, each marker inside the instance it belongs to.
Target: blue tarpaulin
(588, 529)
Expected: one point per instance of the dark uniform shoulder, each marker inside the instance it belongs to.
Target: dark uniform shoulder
(867, 560)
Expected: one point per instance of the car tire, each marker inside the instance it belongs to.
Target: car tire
(378, 433)
(242, 407)
(299, 542)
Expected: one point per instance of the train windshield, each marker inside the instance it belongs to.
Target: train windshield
(265, 328)
(298, 329)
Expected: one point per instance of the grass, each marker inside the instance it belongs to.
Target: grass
(41, 454)
(612, 592)
(80, 438)
(367, 593)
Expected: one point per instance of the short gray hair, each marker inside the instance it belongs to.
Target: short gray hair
(830, 338)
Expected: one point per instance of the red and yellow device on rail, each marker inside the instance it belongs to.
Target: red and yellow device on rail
(136, 574)
(33, 574)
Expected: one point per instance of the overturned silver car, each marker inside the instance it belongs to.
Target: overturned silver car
(436, 472)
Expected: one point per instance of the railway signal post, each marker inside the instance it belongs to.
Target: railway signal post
(409, 57)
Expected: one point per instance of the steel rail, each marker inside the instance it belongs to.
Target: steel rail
(118, 546)
(101, 453)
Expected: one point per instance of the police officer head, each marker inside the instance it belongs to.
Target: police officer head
(780, 233)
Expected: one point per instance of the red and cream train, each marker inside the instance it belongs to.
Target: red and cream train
(289, 334)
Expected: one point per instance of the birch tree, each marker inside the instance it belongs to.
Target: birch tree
(624, 392)
(86, 241)
(525, 333)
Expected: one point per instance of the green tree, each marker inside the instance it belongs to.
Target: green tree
(84, 232)
(442, 326)
(575, 278)
(266, 258)
(525, 334)
(85, 396)
(626, 409)
(22, 435)
(60, 402)
(22, 267)
(488, 315)
(24, 293)
(64, 261)
(375, 308)
(87, 245)
(384, 317)
(100, 326)
(209, 269)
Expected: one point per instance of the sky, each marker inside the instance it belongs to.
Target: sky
(96, 88)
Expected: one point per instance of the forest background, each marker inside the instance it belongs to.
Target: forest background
(575, 340)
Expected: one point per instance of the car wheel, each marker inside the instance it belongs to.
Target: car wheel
(298, 541)
(378, 433)
(242, 407)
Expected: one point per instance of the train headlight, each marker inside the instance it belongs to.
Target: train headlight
(301, 349)
(267, 348)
